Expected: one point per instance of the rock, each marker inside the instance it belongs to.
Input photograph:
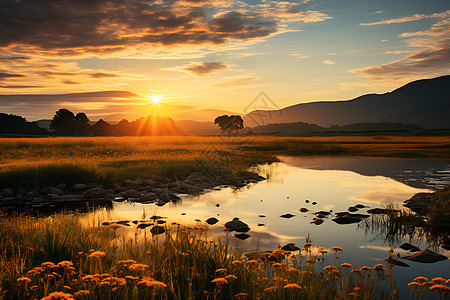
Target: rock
(157, 230)
(144, 225)
(54, 190)
(106, 223)
(132, 194)
(396, 262)
(53, 196)
(290, 247)
(426, 256)
(378, 211)
(95, 192)
(79, 187)
(317, 221)
(287, 216)
(346, 220)
(360, 206)
(237, 225)
(409, 247)
(320, 216)
(324, 213)
(160, 203)
(352, 209)
(212, 221)
(217, 205)
(32, 194)
(261, 216)
(7, 192)
(61, 186)
(314, 203)
(149, 182)
(306, 201)
(148, 197)
(139, 181)
(303, 209)
(242, 236)
(38, 200)
(260, 224)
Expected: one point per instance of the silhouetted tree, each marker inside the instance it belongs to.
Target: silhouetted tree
(12, 124)
(229, 123)
(101, 128)
(63, 122)
(82, 126)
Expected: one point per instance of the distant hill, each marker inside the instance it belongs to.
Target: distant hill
(191, 127)
(294, 127)
(44, 123)
(423, 102)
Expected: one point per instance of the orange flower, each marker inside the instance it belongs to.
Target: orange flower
(421, 278)
(241, 296)
(23, 280)
(230, 277)
(346, 265)
(220, 280)
(356, 271)
(440, 287)
(97, 254)
(65, 264)
(277, 265)
(48, 264)
(219, 272)
(138, 267)
(379, 267)
(335, 248)
(414, 284)
(365, 268)
(237, 262)
(438, 279)
(292, 286)
(293, 271)
(307, 245)
(59, 296)
(132, 278)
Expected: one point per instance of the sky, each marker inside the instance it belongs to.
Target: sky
(195, 59)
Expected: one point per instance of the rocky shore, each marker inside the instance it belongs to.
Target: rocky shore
(152, 189)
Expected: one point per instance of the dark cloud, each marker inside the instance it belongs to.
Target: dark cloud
(18, 86)
(13, 58)
(72, 27)
(420, 63)
(70, 82)
(4, 75)
(103, 75)
(204, 68)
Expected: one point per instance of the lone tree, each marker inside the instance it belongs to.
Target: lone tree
(229, 123)
(82, 126)
(63, 122)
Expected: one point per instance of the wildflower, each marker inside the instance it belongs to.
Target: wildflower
(253, 261)
(277, 265)
(59, 296)
(292, 286)
(65, 264)
(119, 281)
(230, 277)
(421, 278)
(335, 248)
(309, 260)
(67, 287)
(220, 280)
(220, 272)
(293, 271)
(48, 264)
(81, 293)
(105, 275)
(23, 280)
(131, 278)
(104, 283)
(97, 254)
(414, 284)
(270, 289)
(447, 281)
(126, 262)
(328, 268)
(237, 262)
(307, 245)
(241, 296)
(379, 267)
(440, 287)
(89, 278)
(365, 268)
(346, 265)
(356, 271)
(438, 279)
(138, 267)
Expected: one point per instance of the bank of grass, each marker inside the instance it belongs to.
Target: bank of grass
(62, 256)
(46, 161)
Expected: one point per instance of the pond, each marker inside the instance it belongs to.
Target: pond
(332, 184)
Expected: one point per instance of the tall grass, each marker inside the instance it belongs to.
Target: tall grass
(62, 256)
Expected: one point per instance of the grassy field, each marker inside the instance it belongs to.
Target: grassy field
(99, 159)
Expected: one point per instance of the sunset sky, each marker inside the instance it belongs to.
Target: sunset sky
(116, 59)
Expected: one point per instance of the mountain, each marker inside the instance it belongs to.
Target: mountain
(191, 127)
(423, 102)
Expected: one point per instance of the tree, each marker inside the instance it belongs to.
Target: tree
(82, 126)
(63, 122)
(229, 123)
(101, 128)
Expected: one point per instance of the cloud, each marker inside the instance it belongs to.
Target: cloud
(108, 27)
(329, 62)
(247, 81)
(398, 52)
(376, 12)
(103, 75)
(4, 75)
(414, 17)
(299, 55)
(198, 68)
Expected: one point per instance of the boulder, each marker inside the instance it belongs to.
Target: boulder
(132, 193)
(95, 192)
(242, 236)
(409, 247)
(212, 221)
(148, 197)
(7, 192)
(237, 225)
(79, 187)
(317, 221)
(287, 216)
(426, 256)
(346, 220)
(150, 182)
(61, 186)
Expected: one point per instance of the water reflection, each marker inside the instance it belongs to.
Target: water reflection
(334, 183)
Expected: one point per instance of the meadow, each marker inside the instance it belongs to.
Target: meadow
(42, 161)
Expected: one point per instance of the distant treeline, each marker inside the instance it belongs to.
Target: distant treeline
(12, 124)
(298, 127)
(66, 123)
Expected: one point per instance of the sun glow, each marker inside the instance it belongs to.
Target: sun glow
(156, 99)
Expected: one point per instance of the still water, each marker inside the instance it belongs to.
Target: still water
(334, 184)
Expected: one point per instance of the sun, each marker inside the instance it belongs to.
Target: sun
(156, 99)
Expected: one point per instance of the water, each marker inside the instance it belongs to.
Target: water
(335, 184)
